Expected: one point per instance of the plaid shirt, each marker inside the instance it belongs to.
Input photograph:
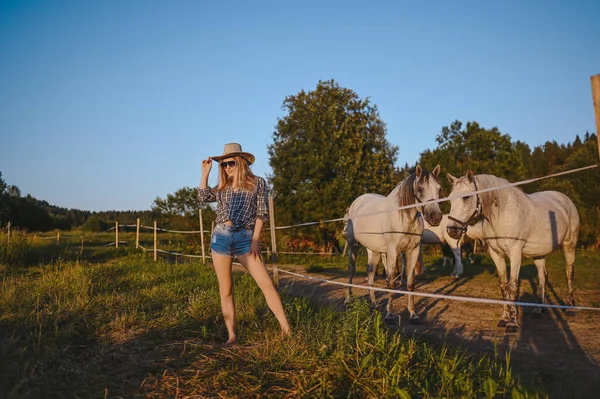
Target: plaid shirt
(242, 207)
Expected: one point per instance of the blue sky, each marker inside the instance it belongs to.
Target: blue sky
(105, 105)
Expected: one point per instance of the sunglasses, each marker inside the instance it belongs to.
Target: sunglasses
(225, 164)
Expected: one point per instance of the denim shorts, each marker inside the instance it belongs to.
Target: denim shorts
(230, 241)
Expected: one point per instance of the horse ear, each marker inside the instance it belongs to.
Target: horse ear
(470, 175)
(419, 171)
(436, 171)
(451, 178)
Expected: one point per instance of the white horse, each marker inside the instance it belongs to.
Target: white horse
(374, 221)
(439, 235)
(516, 224)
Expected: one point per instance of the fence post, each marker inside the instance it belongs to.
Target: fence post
(595, 80)
(201, 236)
(273, 240)
(137, 234)
(155, 240)
(8, 234)
(57, 237)
(34, 238)
(117, 235)
(82, 238)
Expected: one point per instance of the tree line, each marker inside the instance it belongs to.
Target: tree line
(330, 147)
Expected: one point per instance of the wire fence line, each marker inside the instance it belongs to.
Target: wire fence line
(275, 269)
(440, 296)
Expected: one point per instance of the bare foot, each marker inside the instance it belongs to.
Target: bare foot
(230, 342)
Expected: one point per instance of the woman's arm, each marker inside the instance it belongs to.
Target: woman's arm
(255, 245)
(205, 194)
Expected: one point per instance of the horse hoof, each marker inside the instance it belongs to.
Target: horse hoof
(391, 320)
(536, 314)
(512, 327)
(570, 312)
(415, 321)
(502, 323)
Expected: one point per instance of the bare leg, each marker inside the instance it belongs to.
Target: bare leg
(258, 271)
(500, 263)
(222, 265)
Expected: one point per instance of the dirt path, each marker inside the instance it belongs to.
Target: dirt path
(554, 346)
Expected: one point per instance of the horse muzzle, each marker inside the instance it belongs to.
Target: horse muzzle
(433, 217)
(455, 231)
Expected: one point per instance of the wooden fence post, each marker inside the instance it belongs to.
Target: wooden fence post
(57, 237)
(155, 240)
(117, 235)
(273, 240)
(202, 236)
(8, 234)
(137, 234)
(595, 80)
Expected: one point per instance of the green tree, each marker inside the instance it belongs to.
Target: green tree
(484, 151)
(582, 187)
(180, 209)
(329, 148)
(4, 197)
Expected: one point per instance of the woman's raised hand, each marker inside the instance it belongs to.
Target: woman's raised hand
(206, 166)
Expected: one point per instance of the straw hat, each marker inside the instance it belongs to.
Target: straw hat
(232, 150)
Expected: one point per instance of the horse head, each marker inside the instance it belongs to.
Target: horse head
(426, 188)
(465, 209)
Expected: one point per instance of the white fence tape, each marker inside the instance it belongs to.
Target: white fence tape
(440, 296)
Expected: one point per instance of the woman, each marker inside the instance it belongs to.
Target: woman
(241, 212)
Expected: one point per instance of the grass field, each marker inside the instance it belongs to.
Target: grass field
(114, 323)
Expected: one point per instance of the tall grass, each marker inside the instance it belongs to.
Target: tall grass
(134, 327)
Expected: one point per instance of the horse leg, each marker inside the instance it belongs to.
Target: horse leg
(384, 261)
(372, 261)
(402, 272)
(500, 263)
(513, 285)
(411, 262)
(420, 265)
(390, 269)
(569, 251)
(352, 253)
(458, 266)
(540, 264)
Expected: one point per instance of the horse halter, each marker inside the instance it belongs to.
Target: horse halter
(420, 201)
(474, 216)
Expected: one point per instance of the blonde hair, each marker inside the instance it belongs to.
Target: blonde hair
(242, 177)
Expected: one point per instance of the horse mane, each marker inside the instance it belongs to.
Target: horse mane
(406, 188)
(488, 199)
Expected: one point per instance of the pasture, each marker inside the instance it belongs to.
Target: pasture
(113, 323)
